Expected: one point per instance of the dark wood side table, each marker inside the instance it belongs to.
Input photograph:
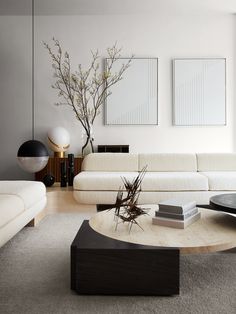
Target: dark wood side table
(53, 168)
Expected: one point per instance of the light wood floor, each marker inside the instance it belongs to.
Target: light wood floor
(61, 200)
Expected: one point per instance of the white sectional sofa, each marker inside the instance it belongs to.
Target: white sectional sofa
(180, 176)
(20, 202)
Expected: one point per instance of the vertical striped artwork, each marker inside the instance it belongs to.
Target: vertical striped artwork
(133, 100)
(199, 92)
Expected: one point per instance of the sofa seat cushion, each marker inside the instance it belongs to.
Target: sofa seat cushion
(29, 191)
(10, 207)
(221, 180)
(101, 181)
(174, 181)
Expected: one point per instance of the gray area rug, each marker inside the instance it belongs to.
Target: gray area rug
(35, 278)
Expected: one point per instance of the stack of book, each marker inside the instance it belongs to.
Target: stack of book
(176, 214)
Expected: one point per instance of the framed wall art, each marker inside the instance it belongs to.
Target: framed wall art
(199, 91)
(134, 100)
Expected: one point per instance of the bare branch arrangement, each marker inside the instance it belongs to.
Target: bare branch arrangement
(85, 90)
(126, 209)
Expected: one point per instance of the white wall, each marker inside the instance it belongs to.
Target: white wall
(157, 35)
(193, 28)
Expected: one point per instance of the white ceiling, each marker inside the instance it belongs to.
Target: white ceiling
(90, 7)
(132, 6)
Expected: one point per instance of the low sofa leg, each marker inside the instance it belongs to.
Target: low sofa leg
(32, 223)
(35, 221)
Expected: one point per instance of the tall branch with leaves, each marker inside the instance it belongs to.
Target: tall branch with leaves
(85, 91)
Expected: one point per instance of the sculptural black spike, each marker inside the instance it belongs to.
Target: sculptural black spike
(126, 209)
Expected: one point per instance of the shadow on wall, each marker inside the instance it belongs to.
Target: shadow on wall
(15, 87)
(15, 7)
(14, 172)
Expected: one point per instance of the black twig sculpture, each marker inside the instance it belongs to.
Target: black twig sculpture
(126, 209)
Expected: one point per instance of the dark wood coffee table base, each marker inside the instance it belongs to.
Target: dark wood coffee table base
(101, 265)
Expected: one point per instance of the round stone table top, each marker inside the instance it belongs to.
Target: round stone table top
(214, 231)
(224, 202)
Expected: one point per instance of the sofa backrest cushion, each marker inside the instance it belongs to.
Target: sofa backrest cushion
(30, 192)
(216, 162)
(168, 162)
(110, 162)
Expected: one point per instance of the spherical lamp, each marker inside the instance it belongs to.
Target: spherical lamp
(32, 156)
(58, 141)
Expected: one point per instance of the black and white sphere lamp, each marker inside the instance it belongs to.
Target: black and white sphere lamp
(32, 156)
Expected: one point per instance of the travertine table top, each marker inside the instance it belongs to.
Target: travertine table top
(215, 231)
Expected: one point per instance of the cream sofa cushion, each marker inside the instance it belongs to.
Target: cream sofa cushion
(216, 162)
(10, 207)
(221, 180)
(174, 181)
(110, 162)
(168, 162)
(29, 191)
(101, 181)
